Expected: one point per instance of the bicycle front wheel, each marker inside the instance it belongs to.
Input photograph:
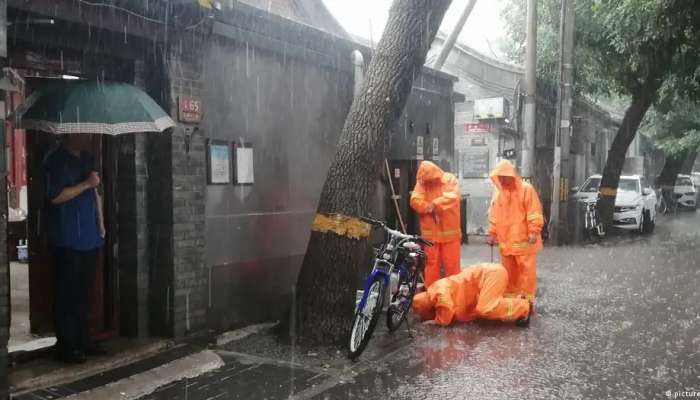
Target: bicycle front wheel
(366, 318)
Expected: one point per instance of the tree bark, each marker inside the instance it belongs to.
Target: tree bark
(673, 166)
(689, 162)
(642, 98)
(325, 290)
(617, 154)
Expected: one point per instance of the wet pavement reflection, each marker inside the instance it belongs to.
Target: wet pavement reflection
(615, 320)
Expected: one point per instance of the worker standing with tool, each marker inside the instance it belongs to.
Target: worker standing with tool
(515, 224)
(436, 199)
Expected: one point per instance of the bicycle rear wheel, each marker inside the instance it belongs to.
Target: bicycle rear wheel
(401, 303)
(366, 318)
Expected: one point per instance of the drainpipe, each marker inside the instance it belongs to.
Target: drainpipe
(450, 42)
(358, 62)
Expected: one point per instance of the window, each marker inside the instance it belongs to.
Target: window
(684, 181)
(591, 185)
(629, 185)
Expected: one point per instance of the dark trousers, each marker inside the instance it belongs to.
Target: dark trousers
(74, 281)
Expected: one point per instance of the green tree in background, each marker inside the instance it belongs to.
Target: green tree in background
(674, 128)
(627, 48)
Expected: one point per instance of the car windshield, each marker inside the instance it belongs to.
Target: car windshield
(591, 185)
(629, 185)
(683, 182)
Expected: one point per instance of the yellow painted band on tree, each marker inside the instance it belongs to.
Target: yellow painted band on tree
(609, 192)
(341, 225)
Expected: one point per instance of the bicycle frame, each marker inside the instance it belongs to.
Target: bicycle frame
(381, 272)
(384, 268)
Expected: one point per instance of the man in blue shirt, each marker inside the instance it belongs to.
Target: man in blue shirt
(76, 231)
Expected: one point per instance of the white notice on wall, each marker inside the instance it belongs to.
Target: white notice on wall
(436, 148)
(220, 166)
(419, 147)
(244, 165)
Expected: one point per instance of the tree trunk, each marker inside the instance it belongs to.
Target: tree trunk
(689, 162)
(672, 167)
(325, 291)
(641, 102)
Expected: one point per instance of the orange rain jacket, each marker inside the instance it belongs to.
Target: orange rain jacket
(514, 215)
(440, 188)
(474, 293)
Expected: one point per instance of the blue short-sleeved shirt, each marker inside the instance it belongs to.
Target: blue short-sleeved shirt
(73, 224)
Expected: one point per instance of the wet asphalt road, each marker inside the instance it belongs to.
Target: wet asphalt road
(619, 320)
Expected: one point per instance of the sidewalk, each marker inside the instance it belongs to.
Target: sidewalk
(132, 369)
(257, 366)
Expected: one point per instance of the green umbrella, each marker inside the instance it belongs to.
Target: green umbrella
(78, 106)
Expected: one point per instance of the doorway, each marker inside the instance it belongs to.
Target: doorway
(32, 326)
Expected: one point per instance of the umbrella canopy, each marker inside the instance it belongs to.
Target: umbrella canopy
(77, 106)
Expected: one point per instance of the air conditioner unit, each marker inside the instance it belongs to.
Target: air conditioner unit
(493, 108)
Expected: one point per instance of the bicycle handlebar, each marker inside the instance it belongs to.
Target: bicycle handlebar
(380, 224)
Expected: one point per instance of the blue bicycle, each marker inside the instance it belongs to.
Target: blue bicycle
(400, 255)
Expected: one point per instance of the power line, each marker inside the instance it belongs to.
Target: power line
(124, 10)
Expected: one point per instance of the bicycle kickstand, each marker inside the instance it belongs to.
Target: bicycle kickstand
(408, 327)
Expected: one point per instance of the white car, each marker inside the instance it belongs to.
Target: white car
(685, 191)
(635, 205)
(695, 177)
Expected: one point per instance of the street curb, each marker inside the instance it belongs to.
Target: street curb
(74, 373)
(142, 384)
(238, 334)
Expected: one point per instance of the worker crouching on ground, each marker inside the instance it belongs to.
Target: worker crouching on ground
(436, 199)
(475, 293)
(515, 224)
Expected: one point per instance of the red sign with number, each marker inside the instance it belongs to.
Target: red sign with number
(478, 127)
(190, 109)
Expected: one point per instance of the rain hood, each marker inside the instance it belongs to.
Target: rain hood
(505, 168)
(428, 172)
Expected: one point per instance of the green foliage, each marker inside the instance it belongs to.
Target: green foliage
(619, 43)
(674, 130)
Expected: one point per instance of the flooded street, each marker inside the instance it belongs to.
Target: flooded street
(221, 199)
(617, 320)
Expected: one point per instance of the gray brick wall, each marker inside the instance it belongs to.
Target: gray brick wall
(191, 278)
(133, 235)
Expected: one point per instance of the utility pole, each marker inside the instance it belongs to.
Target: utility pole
(562, 141)
(529, 117)
(450, 42)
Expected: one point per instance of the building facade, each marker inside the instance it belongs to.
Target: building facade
(207, 222)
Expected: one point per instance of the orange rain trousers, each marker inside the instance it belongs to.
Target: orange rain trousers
(515, 215)
(447, 254)
(522, 274)
(475, 293)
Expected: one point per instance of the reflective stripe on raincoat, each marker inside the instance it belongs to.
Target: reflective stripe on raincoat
(474, 293)
(440, 188)
(513, 215)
